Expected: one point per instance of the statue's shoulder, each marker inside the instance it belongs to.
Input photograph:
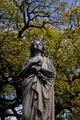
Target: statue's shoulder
(47, 59)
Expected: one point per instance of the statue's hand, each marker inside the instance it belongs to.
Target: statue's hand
(36, 60)
(35, 68)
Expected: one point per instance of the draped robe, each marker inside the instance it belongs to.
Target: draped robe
(38, 93)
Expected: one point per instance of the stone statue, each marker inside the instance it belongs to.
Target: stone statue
(38, 85)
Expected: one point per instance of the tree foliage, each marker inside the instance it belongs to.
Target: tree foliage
(34, 20)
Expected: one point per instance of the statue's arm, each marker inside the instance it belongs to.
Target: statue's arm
(49, 73)
(25, 71)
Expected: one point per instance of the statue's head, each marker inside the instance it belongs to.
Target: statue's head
(36, 46)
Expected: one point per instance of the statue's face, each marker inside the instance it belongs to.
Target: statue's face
(38, 45)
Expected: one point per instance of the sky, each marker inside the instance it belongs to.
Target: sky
(71, 1)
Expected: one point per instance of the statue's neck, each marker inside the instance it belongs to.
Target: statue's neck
(37, 54)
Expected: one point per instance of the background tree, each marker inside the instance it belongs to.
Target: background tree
(32, 20)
